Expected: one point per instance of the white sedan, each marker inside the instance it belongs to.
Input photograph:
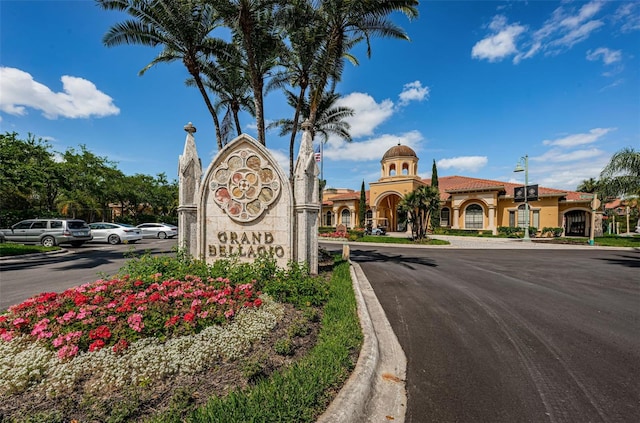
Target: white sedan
(115, 233)
(158, 230)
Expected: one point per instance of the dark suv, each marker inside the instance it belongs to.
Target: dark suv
(49, 232)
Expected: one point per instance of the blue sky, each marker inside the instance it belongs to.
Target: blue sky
(480, 84)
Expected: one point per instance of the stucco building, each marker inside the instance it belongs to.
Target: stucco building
(466, 203)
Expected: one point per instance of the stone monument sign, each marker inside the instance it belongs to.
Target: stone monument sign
(244, 205)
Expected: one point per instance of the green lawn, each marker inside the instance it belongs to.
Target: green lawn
(393, 240)
(11, 249)
(606, 241)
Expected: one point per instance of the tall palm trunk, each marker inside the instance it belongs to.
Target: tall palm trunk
(294, 129)
(205, 96)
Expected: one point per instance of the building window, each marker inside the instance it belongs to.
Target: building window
(536, 219)
(327, 221)
(512, 218)
(444, 217)
(473, 217)
(521, 216)
(345, 218)
(369, 217)
(392, 170)
(405, 168)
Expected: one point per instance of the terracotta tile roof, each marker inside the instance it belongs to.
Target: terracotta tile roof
(329, 199)
(452, 184)
(455, 184)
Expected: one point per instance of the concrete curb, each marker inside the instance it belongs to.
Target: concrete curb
(375, 391)
(26, 257)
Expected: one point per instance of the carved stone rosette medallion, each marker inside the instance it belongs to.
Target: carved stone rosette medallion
(244, 185)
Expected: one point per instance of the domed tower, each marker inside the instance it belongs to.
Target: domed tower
(399, 162)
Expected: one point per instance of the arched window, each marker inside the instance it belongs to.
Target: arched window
(405, 168)
(444, 216)
(328, 219)
(345, 218)
(473, 217)
(392, 170)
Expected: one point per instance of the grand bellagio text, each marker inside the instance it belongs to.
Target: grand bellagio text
(243, 244)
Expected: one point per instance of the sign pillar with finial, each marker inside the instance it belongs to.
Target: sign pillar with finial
(307, 204)
(190, 176)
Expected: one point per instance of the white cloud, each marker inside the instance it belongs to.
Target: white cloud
(368, 113)
(79, 99)
(579, 139)
(463, 163)
(565, 27)
(608, 56)
(371, 149)
(629, 15)
(413, 91)
(501, 43)
(556, 155)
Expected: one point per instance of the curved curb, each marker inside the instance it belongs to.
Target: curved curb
(23, 257)
(375, 391)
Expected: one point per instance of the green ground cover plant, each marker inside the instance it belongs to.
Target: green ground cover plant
(11, 249)
(150, 345)
(604, 241)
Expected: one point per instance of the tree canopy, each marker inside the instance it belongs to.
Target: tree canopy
(36, 181)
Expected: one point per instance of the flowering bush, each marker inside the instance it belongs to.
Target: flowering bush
(114, 313)
(334, 235)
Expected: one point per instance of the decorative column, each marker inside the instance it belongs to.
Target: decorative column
(190, 176)
(492, 219)
(307, 204)
(456, 218)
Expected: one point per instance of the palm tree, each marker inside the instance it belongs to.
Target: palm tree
(254, 31)
(621, 176)
(588, 185)
(301, 21)
(419, 205)
(348, 22)
(330, 121)
(181, 27)
(226, 80)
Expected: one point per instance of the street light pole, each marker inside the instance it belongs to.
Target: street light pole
(526, 188)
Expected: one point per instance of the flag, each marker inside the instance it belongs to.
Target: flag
(318, 154)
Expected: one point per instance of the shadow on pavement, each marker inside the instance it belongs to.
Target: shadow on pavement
(402, 259)
(624, 260)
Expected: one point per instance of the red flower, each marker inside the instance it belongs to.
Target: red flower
(96, 345)
(80, 299)
(257, 302)
(121, 345)
(101, 332)
(154, 297)
(189, 317)
(172, 321)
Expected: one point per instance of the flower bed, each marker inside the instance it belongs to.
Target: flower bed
(116, 312)
(109, 330)
(341, 235)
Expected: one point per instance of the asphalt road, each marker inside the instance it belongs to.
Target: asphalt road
(513, 336)
(22, 278)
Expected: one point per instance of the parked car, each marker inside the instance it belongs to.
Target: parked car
(49, 232)
(115, 233)
(638, 229)
(378, 231)
(158, 230)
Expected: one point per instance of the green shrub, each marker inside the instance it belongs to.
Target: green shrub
(556, 232)
(294, 285)
(284, 347)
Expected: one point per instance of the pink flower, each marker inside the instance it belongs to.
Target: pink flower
(67, 351)
(6, 335)
(135, 322)
(229, 313)
(112, 318)
(19, 322)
